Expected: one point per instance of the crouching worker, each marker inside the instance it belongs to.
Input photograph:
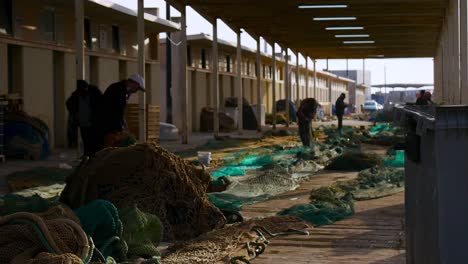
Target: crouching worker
(114, 103)
(306, 112)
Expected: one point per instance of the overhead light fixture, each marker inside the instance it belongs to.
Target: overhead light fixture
(353, 36)
(344, 28)
(359, 42)
(321, 6)
(334, 18)
(376, 56)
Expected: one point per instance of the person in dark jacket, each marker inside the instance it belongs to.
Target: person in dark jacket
(340, 106)
(306, 112)
(112, 109)
(82, 106)
(422, 100)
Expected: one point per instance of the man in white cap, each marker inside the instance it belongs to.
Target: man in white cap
(112, 108)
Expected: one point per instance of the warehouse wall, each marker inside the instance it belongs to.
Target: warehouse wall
(37, 65)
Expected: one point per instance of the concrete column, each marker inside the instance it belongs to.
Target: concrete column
(307, 76)
(79, 31)
(80, 59)
(463, 52)
(298, 86)
(259, 86)
(315, 80)
(330, 94)
(286, 86)
(183, 88)
(141, 69)
(215, 78)
(240, 117)
(274, 85)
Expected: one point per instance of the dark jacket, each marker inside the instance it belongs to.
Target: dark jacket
(73, 104)
(112, 109)
(307, 109)
(340, 106)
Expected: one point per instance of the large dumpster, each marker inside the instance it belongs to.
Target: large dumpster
(436, 183)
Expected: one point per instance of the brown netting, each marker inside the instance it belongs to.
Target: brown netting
(20, 243)
(153, 179)
(221, 245)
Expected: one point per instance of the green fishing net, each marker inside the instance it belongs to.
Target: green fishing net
(355, 161)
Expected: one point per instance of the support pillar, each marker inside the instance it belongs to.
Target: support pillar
(274, 85)
(215, 78)
(307, 76)
(315, 80)
(240, 106)
(259, 85)
(80, 58)
(298, 86)
(141, 70)
(183, 75)
(287, 87)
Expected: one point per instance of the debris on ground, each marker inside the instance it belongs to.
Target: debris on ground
(153, 179)
(245, 241)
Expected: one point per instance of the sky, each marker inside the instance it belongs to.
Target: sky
(397, 70)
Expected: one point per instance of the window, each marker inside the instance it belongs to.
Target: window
(87, 32)
(47, 24)
(264, 71)
(248, 68)
(6, 17)
(116, 39)
(203, 58)
(228, 63)
(270, 70)
(189, 56)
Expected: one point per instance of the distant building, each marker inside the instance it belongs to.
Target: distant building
(360, 89)
(37, 53)
(199, 53)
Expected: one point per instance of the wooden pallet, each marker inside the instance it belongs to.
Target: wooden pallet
(152, 121)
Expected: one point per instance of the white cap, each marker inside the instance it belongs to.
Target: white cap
(138, 79)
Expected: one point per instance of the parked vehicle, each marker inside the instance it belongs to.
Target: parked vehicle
(371, 106)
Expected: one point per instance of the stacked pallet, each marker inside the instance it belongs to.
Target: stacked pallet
(152, 121)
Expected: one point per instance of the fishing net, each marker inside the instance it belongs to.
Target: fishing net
(36, 177)
(397, 160)
(153, 179)
(355, 161)
(33, 200)
(143, 232)
(333, 203)
(235, 241)
(52, 237)
(375, 183)
(25, 137)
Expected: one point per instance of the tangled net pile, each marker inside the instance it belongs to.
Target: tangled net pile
(153, 179)
(26, 238)
(333, 203)
(221, 246)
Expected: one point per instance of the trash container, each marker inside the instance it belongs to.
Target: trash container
(436, 183)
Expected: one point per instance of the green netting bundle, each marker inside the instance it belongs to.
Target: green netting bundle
(397, 160)
(227, 201)
(33, 200)
(355, 161)
(142, 231)
(35, 177)
(328, 205)
(375, 183)
(100, 220)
